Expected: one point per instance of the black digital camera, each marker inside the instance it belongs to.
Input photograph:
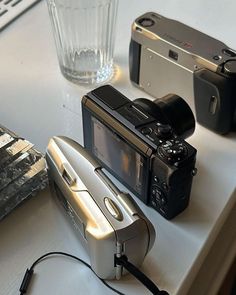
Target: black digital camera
(142, 144)
(167, 56)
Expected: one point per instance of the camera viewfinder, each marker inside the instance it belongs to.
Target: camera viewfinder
(174, 55)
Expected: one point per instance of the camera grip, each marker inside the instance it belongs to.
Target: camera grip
(213, 100)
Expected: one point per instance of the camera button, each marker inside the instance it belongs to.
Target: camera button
(163, 201)
(156, 179)
(165, 186)
(217, 57)
(146, 130)
(113, 209)
(160, 198)
(154, 204)
(146, 22)
(163, 130)
(158, 195)
(154, 191)
(230, 68)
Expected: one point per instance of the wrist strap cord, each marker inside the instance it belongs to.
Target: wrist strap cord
(123, 261)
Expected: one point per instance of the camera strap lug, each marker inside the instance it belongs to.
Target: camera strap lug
(119, 268)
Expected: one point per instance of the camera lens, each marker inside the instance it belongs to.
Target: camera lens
(172, 110)
(146, 22)
(178, 113)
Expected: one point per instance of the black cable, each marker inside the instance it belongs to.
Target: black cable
(29, 272)
(123, 261)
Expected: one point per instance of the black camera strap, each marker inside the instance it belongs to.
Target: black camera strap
(123, 261)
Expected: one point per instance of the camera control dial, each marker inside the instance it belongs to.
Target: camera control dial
(158, 198)
(173, 150)
(230, 68)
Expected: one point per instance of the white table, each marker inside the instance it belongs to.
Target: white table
(191, 253)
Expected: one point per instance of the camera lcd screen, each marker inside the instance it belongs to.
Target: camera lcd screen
(117, 155)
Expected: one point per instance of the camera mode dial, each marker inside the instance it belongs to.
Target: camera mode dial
(173, 150)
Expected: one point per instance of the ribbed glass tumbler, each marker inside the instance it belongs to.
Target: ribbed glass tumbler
(84, 33)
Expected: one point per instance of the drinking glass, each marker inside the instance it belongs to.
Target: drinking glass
(84, 33)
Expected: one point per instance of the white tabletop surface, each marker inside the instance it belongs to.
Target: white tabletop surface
(37, 103)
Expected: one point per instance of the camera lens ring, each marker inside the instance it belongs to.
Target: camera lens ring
(146, 22)
(178, 113)
(172, 110)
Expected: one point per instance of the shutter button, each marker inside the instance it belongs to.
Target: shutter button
(163, 130)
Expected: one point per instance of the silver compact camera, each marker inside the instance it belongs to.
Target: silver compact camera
(167, 56)
(108, 220)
